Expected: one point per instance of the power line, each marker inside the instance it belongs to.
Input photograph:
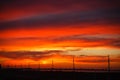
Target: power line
(52, 65)
(73, 63)
(39, 66)
(108, 63)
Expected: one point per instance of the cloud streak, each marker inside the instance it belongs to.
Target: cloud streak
(70, 18)
(76, 40)
(56, 55)
(29, 54)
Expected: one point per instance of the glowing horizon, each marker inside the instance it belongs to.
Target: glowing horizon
(33, 29)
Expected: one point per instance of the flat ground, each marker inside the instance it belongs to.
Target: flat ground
(57, 75)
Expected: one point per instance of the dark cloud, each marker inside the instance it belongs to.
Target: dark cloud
(88, 38)
(70, 18)
(97, 59)
(92, 61)
(34, 55)
(104, 40)
(115, 43)
(28, 54)
(110, 40)
(59, 3)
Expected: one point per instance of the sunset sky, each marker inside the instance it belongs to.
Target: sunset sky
(38, 31)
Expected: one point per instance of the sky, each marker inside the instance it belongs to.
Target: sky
(38, 31)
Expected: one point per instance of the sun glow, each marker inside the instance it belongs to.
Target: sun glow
(44, 62)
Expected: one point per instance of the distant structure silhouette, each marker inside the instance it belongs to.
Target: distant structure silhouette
(0, 66)
(108, 63)
(52, 65)
(39, 66)
(73, 63)
(28, 65)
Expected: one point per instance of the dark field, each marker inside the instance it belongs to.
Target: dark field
(57, 75)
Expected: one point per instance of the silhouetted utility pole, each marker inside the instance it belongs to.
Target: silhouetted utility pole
(73, 63)
(52, 65)
(21, 66)
(15, 66)
(0, 66)
(28, 65)
(109, 63)
(39, 66)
